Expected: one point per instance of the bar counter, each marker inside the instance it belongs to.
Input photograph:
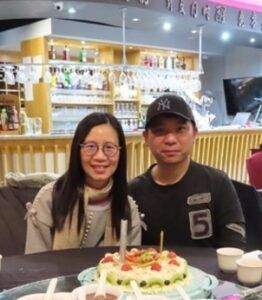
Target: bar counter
(225, 148)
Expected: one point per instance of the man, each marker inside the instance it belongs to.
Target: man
(195, 205)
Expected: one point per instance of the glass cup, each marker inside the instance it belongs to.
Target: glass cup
(37, 125)
(29, 126)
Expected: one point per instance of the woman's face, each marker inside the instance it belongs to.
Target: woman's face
(100, 155)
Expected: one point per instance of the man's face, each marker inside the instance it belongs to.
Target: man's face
(170, 139)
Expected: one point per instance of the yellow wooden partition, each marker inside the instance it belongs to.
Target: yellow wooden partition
(34, 154)
(225, 150)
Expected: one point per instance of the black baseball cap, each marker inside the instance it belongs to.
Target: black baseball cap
(169, 104)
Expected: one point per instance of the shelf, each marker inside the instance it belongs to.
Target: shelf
(79, 92)
(66, 103)
(155, 93)
(126, 100)
(68, 120)
(80, 103)
(146, 103)
(120, 67)
(64, 62)
(9, 90)
(126, 117)
(8, 132)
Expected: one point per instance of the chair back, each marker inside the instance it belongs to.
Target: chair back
(19, 190)
(251, 202)
(254, 169)
(12, 222)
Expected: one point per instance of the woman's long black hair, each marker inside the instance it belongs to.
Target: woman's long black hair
(69, 188)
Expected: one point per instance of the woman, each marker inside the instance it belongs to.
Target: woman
(84, 207)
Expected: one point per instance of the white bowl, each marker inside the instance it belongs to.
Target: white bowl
(91, 288)
(249, 271)
(227, 257)
(56, 296)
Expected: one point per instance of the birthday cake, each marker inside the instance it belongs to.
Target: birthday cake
(152, 271)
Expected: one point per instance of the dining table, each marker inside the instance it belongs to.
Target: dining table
(26, 274)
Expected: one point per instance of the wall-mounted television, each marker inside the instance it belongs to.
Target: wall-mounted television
(243, 94)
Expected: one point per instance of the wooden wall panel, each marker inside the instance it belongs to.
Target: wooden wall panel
(223, 150)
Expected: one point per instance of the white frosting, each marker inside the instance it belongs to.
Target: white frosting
(155, 280)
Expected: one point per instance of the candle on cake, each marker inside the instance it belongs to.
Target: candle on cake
(161, 241)
(123, 239)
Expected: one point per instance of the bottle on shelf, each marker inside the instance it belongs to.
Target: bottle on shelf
(82, 55)
(105, 83)
(177, 62)
(12, 118)
(66, 55)
(169, 63)
(146, 61)
(97, 59)
(4, 119)
(23, 121)
(53, 79)
(10, 121)
(154, 61)
(141, 121)
(15, 118)
(68, 80)
(183, 65)
(142, 59)
(150, 61)
(52, 52)
(161, 62)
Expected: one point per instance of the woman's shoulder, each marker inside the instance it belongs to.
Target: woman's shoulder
(44, 196)
(41, 208)
(49, 186)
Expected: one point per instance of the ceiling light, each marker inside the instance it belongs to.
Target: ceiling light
(252, 40)
(167, 26)
(225, 36)
(130, 47)
(135, 20)
(71, 10)
(194, 31)
(83, 42)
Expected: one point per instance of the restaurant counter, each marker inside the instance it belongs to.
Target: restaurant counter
(225, 148)
(24, 269)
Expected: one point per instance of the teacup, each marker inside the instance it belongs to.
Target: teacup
(249, 271)
(227, 257)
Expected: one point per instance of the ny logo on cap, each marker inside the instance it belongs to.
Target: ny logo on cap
(163, 104)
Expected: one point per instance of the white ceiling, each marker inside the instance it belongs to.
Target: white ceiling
(150, 21)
